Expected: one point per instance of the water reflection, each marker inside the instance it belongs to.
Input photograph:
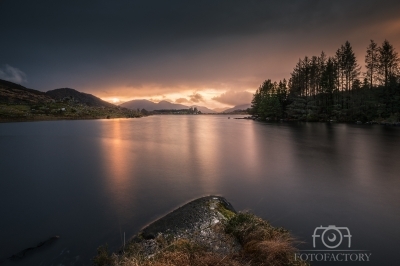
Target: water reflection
(113, 151)
(117, 160)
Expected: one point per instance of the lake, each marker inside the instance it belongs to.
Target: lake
(92, 181)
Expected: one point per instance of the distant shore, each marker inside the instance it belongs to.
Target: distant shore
(50, 118)
(245, 117)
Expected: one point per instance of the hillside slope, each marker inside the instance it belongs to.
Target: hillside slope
(12, 93)
(85, 98)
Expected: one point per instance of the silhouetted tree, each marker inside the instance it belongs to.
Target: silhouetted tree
(371, 63)
(388, 66)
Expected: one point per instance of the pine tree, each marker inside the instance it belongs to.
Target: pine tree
(351, 69)
(341, 73)
(371, 63)
(328, 84)
(388, 67)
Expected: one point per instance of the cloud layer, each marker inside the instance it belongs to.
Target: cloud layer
(145, 49)
(12, 74)
(196, 97)
(182, 100)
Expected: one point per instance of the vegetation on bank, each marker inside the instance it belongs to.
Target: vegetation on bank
(60, 110)
(325, 88)
(191, 111)
(262, 244)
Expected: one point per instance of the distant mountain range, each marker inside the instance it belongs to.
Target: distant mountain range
(237, 107)
(11, 93)
(165, 105)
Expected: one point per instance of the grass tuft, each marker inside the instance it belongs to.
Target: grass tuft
(103, 257)
(262, 243)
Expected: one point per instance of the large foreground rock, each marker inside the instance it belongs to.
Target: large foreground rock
(199, 221)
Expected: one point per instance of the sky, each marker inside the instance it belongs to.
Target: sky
(212, 53)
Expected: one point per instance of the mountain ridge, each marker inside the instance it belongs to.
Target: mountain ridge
(238, 107)
(86, 98)
(162, 105)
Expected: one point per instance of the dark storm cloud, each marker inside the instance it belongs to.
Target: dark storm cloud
(98, 45)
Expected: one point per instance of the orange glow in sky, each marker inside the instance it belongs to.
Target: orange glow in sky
(204, 98)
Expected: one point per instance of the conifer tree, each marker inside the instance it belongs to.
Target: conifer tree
(388, 66)
(371, 63)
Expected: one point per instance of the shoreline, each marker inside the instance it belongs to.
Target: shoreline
(41, 119)
(52, 118)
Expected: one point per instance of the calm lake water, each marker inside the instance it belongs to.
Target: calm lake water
(91, 181)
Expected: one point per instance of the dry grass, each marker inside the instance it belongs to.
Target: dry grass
(262, 244)
(183, 259)
(181, 252)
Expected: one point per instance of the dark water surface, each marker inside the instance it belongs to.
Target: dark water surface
(91, 181)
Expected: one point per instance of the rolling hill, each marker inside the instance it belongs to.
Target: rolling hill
(18, 103)
(84, 98)
(11, 93)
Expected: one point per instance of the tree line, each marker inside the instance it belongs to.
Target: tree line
(323, 88)
(190, 111)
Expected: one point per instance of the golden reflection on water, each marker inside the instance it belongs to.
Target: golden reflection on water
(114, 150)
(186, 148)
(117, 157)
(202, 138)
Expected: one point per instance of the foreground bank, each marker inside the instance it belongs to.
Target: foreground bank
(206, 231)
